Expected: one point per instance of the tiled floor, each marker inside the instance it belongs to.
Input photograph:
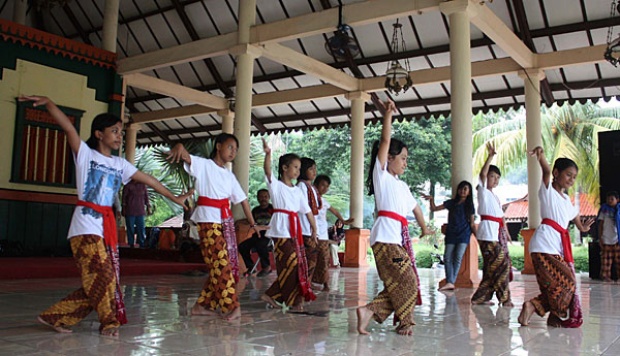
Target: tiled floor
(159, 323)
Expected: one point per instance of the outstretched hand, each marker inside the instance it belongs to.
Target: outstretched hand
(427, 197)
(388, 106)
(180, 199)
(491, 149)
(586, 224)
(426, 231)
(266, 147)
(177, 154)
(537, 151)
(36, 99)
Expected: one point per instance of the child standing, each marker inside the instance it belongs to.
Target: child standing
(460, 227)
(307, 174)
(92, 233)
(493, 238)
(321, 275)
(550, 247)
(217, 187)
(389, 236)
(292, 285)
(609, 223)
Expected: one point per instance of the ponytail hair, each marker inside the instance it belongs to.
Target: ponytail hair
(100, 123)
(306, 163)
(221, 138)
(396, 147)
(286, 160)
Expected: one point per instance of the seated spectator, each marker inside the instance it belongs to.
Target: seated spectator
(258, 242)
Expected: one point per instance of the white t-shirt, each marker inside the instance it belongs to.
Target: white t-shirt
(488, 204)
(214, 182)
(391, 194)
(286, 198)
(98, 180)
(557, 207)
(306, 229)
(610, 231)
(321, 220)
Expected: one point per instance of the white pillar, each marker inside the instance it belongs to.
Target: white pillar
(460, 87)
(110, 25)
(19, 11)
(243, 98)
(356, 203)
(131, 135)
(533, 131)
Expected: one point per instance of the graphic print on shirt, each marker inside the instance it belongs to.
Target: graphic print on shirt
(101, 187)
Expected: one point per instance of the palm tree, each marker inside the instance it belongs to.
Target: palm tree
(567, 131)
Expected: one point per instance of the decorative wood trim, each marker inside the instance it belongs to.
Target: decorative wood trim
(27, 36)
(36, 197)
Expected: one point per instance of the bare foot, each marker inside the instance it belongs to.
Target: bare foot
(325, 287)
(198, 309)
(109, 332)
(486, 302)
(526, 313)
(269, 300)
(508, 304)
(447, 286)
(235, 314)
(407, 330)
(59, 329)
(363, 318)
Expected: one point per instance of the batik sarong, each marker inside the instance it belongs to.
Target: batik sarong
(495, 274)
(97, 291)
(219, 290)
(557, 283)
(610, 254)
(400, 285)
(312, 254)
(286, 288)
(321, 272)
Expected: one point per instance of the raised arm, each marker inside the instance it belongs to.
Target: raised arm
(144, 178)
(178, 153)
(546, 169)
(485, 168)
(431, 200)
(267, 163)
(386, 132)
(61, 119)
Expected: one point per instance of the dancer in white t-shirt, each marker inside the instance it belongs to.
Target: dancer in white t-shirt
(492, 237)
(551, 250)
(217, 188)
(92, 233)
(389, 236)
(292, 287)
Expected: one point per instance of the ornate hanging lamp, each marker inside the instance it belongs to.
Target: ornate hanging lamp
(397, 77)
(612, 53)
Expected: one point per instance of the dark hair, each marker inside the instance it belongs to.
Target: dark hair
(469, 200)
(286, 160)
(261, 190)
(396, 147)
(306, 163)
(100, 123)
(221, 138)
(563, 163)
(493, 168)
(612, 193)
(320, 178)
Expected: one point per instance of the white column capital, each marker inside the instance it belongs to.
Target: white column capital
(133, 127)
(357, 95)
(456, 6)
(226, 113)
(245, 48)
(532, 73)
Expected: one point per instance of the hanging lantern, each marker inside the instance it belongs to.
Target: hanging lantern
(397, 77)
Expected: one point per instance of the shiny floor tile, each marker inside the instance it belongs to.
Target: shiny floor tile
(446, 323)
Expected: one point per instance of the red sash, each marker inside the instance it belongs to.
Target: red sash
(294, 229)
(222, 204)
(500, 221)
(406, 242)
(110, 235)
(566, 246)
